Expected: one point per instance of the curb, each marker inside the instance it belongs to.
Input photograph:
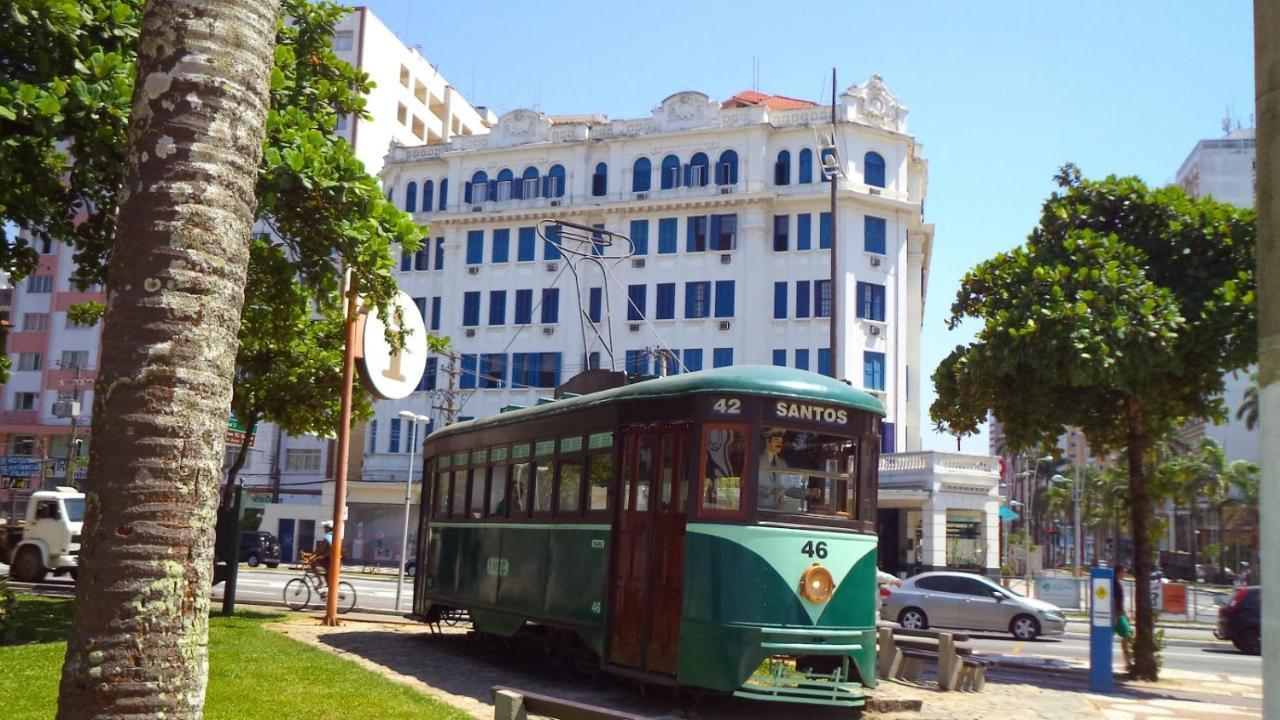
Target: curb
(387, 616)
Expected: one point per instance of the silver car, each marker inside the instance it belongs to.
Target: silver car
(969, 602)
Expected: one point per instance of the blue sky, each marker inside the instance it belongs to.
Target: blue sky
(1000, 93)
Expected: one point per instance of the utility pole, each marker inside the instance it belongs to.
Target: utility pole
(1077, 492)
(448, 405)
(68, 406)
(834, 332)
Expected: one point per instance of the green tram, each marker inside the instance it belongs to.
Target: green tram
(710, 530)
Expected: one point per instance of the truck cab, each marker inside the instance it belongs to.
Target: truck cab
(49, 539)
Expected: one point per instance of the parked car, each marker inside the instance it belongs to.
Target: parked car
(964, 601)
(1240, 620)
(259, 548)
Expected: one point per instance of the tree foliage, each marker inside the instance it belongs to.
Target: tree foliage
(1119, 315)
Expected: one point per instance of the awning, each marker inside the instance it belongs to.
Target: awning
(1007, 514)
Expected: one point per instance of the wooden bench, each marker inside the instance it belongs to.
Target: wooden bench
(513, 704)
(903, 658)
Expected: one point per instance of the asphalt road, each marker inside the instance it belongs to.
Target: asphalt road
(267, 586)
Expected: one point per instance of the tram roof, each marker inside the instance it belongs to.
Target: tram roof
(760, 380)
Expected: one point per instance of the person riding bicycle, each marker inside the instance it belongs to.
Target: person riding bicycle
(320, 560)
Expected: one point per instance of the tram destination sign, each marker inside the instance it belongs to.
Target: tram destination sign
(785, 409)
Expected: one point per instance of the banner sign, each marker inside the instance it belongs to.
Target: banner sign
(1063, 592)
(15, 466)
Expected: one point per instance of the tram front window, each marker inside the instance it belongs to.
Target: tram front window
(806, 473)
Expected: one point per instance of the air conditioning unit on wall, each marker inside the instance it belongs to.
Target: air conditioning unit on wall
(473, 270)
(552, 267)
(874, 329)
(726, 258)
(726, 324)
(549, 330)
(875, 262)
(634, 327)
(470, 332)
(637, 262)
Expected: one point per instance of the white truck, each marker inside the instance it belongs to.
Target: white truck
(48, 540)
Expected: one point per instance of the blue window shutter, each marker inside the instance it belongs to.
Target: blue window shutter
(421, 304)
(724, 298)
(873, 169)
(475, 247)
(600, 180)
(440, 253)
(551, 305)
(524, 307)
(888, 442)
(393, 442)
(518, 378)
(781, 233)
(468, 379)
(873, 370)
(551, 245)
(428, 381)
(411, 197)
(444, 194)
(696, 233)
(428, 196)
(782, 168)
(422, 258)
(493, 370)
(594, 302)
(780, 358)
(666, 236)
(470, 309)
(722, 357)
(802, 359)
(822, 298)
(640, 236)
(713, 233)
(666, 301)
(641, 172)
(526, 244)
(824, 361)
(802, 298)
(870, 301)
(724, 231)
(727, 168)
(805, 174)
(373, 436)
(406, 260)
(635, 302)
(637, 362)
(692, 359)
(803, 223)
(497, 307)
(824, 231)
(501, 245)
(435, 312)
(877, 307)
(593, 360)
(873, 231)
(780, 300)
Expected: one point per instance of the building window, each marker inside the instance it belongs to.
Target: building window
(428, 191)
(873, 169)
(640, 236)
(873, 370)
(475, 247)
(497, 307)
(721, 357)
(782, 168)
(697, 299)
(24, 445)
(830, 164)
(404, 76)
(666, 301)
(406, 260)
(411, 197)
(343, 41)
(526, 244)
(888, 444)
(74, 359)
(535, 369)
(824, 361)
(444, 193)
(435, 312)
(524, 307)
(802, 359)
(696, 233)
(870, 301)
(340, 123)
(393, 439)
(474, 192)
(595, 299)
(402, 115)
(373, 436)
(695, 173)
(419, 128)
(529, 182)
(666, 236)
(597, 240)
(422, 258)
(873, 231)
(555, 182)
(24, 401)
(780, 357)
(724, 232)
(637, 362)
(805, 173)
(504, 190)
(35, 322)
(781, 233)
(727, 168)
(40, 284)
(780, 300)
(550, 305)
(600, 180)
(428, 381)
(30, 361)
(467, 380)
(471, 309)
(804, 222)
(301, 460)
(501, 245)
(440, 253)
(551, 245)
(824, 231)
(724, 298)
(635, 302)
(670, 172)
(593, 360)
(493, 370)
(822, 298)
(802, 298)
(641, 175)
(692, 359)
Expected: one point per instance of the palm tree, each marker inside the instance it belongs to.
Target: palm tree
(1202, 482)
(138, 644)
(1248, 410)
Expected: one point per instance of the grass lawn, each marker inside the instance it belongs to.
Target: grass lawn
(253, 673)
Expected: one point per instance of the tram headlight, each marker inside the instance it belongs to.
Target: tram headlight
(816, 584)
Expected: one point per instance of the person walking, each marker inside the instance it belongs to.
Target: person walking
(1122, 626)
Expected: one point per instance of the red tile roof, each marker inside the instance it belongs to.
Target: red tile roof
(750, 98)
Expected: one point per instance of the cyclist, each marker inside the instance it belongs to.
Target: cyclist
(320, 560)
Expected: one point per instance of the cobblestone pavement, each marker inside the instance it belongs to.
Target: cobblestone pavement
(460, 671)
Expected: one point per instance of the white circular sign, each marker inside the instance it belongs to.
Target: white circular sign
(388, 374)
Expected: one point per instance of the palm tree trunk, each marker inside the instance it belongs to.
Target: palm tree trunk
(1144, 649)
(138, 644)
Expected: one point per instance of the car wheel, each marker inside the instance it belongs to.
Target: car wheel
(1248, 642)
(253, 561)
(28, 567)
(913, 619)
(273, 565)
(1025, 627)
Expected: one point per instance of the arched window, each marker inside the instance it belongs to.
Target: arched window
(805, 171)
(873, 169)
(476, 190)
(641, 175)
(553, 187)
(529, 183)
(506, 179)
(670, 172)
(600, 180)
(727, 168)
(444, 193)
(411, 197)
(696, 173)
(428, 195)
(782, 168)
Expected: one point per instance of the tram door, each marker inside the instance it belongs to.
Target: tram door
(649, 549)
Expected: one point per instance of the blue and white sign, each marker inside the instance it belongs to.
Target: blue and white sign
(1100, 621)
(20, 466)
(1063, 592)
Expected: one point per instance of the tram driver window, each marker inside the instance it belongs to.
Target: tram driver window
(599, 476)
(805, 473)
(442, 494)
(722, 466)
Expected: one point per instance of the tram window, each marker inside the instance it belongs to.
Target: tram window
(459, 502)
(668, 473)
(628, 457)
(542, 487)
(722, 466)
(599, 476)
(682, 483)
(498, 490)
(806, 473)
(644, 474)
(442, 494)
(570, 489)
(521, 480)
(478, 494)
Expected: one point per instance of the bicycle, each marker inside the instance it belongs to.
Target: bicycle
(297, 592)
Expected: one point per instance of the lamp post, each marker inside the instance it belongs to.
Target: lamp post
(1077, 494)
(1026, 536)
(413, 420)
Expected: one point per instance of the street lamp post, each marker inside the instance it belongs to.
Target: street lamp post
(1077, 494)
(413, 420)
(1026, 536)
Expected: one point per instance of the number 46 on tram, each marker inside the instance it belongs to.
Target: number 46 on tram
(711, 530)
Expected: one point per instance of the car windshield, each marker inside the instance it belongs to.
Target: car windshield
(806, 473)
(75, 509)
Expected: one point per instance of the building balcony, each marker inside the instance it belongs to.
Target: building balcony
(933, 472)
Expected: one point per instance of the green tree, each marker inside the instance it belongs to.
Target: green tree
(1248, 410)
(1119, 316)
(139, 640)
